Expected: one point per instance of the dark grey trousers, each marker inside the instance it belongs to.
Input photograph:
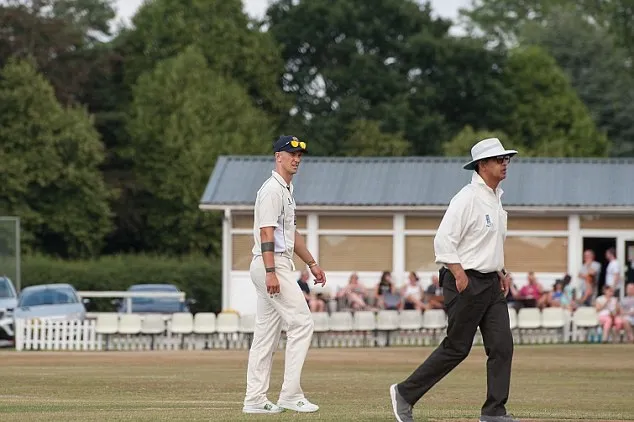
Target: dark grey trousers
(481, 304)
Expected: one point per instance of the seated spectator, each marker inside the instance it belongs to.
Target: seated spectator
(412, 294)
(609, 313)
(354, 293)
(385, 293)
(627, 312)
(315, 304)
(531, 293)
(568, 298)
(433, 295)
(557, 297)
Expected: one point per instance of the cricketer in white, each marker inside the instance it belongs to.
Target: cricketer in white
(280, 299)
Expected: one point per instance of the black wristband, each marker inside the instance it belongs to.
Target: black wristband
(268, 247)
(270, 269)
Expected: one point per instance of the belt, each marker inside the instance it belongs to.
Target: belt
(479, 274)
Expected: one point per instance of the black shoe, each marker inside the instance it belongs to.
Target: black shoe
(402, 409)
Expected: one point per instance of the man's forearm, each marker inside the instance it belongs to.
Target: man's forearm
(456, 270)
(301, 250)
(267, 241)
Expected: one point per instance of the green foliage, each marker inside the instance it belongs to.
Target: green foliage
(388, 61)
(50, 167)
(199, 277)
(548, 118)
(598, 69)
(59, 36)
(503, 20)
(618, 17)
(183, 116)
(500, 20)
(220, 30)
(545, 118)
(365, 138)
(461, 144)
(91, 17)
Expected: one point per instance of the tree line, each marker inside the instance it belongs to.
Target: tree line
(108, 136)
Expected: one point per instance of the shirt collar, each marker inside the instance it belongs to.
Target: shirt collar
(476, 179)
(281, 181)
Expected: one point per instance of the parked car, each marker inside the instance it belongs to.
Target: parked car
(50, 301)
(8, 302)
(154, 305)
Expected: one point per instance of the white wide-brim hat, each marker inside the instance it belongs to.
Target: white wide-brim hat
(487, 148)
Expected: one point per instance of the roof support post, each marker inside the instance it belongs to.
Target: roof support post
(575, 245)
(398, 248)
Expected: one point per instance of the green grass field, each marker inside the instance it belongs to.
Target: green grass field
(568, 382)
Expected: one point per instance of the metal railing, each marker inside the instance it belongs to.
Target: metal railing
(128, 296)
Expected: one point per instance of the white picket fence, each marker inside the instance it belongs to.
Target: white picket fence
(55, 335)
(84, 335)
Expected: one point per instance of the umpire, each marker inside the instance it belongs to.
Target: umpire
(470, 245)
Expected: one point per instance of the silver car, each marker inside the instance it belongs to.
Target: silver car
(8, 302)
(50, 301)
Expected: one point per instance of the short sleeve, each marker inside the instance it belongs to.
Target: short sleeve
(269, 208)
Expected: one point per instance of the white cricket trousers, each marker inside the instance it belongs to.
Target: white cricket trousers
(288, 306)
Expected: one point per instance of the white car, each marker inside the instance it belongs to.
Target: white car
(8, 302)
(50, 301)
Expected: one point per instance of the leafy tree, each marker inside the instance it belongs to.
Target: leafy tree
(91, 17)
(598, 69)
(618, 17)
(387, 61)
(59, 35)
(461, 144)
(501, 20)
(548, 117)
(50, 172)
(184, 115)
(221, 31)
(365, 138)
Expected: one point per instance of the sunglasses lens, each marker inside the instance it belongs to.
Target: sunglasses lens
(296, 144)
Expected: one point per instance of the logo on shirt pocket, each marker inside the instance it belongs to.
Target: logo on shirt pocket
(487, 220)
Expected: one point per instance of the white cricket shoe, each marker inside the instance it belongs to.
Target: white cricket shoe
(301, 405)
(264, 408)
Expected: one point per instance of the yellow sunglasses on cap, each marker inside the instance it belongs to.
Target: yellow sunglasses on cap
(295, 143)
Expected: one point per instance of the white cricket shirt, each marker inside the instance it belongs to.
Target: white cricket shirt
(611, 273)
(275, 207)
(473, 229)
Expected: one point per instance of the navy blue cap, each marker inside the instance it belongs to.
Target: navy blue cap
(289, 144)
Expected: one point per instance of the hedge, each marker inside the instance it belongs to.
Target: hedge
(199, 277)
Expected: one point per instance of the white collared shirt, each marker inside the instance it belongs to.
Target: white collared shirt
(275, 207)
(611, 273)
(473, 229)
